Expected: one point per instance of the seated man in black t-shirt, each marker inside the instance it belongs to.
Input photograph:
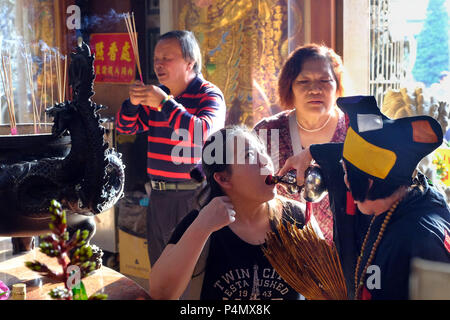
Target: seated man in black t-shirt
(227, 234)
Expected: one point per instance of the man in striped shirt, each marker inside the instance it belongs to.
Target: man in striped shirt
(178, 115)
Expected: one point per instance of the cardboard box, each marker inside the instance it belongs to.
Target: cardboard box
(133, 254)
(105, 236)
(429, 280)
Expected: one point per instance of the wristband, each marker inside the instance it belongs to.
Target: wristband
(167, 98)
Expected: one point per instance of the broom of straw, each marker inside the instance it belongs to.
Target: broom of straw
(306, 262)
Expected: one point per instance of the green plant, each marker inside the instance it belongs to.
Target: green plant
(76, 257)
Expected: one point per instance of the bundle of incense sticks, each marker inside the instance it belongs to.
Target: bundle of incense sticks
(131, 27)
(60, 78)
(53, 61)
(306, 262)
(6, 75)
(36, 119)
(43, 101)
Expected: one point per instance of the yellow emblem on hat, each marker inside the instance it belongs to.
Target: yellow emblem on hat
(368, 157)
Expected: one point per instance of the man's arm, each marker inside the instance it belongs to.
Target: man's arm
(200, 120)
(207, 118)
(132, 119)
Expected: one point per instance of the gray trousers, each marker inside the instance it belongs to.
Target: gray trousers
(165, 210)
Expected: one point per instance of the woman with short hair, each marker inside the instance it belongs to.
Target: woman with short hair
(311, 80)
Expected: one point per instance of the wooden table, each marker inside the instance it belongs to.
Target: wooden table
(104, 280)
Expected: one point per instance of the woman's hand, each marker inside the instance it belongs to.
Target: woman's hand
(216, 214)
(299, 162)
(170, 275)
(148, 95)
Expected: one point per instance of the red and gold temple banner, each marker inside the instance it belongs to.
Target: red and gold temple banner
(114, 59)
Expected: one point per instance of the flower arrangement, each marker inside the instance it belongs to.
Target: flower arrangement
(441, 169)
(76, 257)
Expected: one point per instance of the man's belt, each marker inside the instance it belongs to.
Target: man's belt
(163, 185)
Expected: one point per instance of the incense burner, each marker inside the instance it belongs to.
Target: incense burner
(72, 164)
(28, 146)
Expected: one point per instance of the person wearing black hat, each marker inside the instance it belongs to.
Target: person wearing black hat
(385, 212)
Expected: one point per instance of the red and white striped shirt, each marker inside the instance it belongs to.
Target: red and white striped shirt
(176, 133)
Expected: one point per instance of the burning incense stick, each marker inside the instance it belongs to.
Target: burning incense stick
(29, 66)
(51, 80)
(45, 89)
(131, 27)
(5, 86)
(6, 75)
(61, 77)
(42, 99)
(58, 77)
(13, 111)
(65, 75)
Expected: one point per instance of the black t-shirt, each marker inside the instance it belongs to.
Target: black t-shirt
(237, 270)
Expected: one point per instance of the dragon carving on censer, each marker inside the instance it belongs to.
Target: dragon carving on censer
(88, 181)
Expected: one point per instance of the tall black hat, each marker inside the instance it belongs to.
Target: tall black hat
(383, 148)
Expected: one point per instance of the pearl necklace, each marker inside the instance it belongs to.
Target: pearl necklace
(359, 285)
(313, 130)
